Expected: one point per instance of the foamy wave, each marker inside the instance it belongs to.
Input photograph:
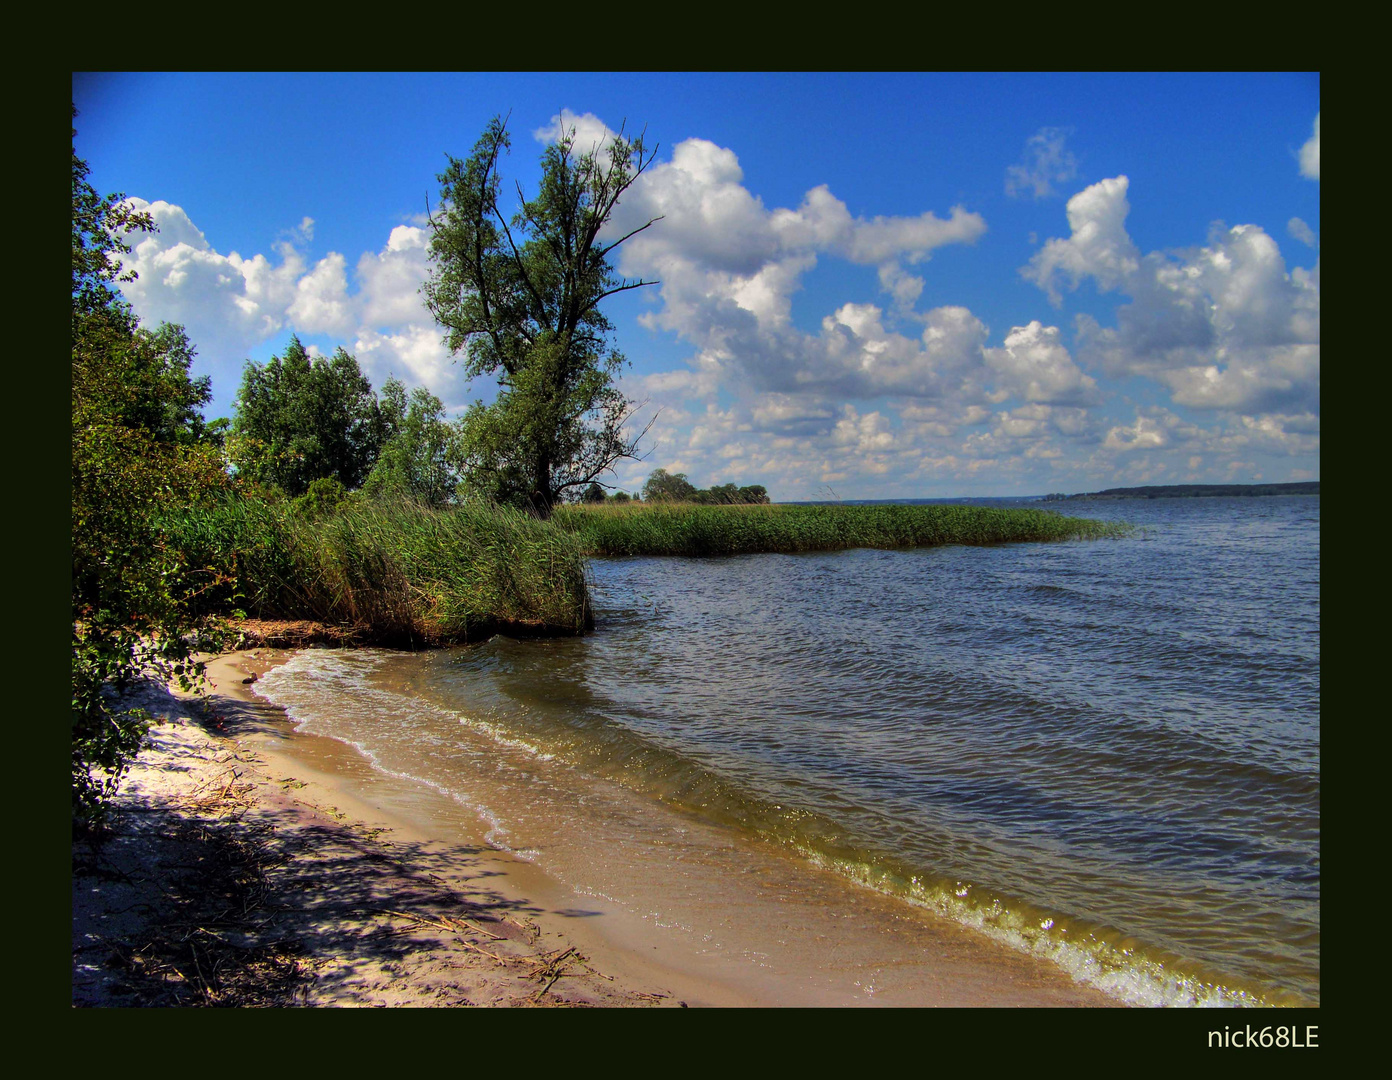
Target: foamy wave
(303, 682)
(1118, 972)
(492, 731)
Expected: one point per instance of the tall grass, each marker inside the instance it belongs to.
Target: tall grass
(402, 573)
(689, 529)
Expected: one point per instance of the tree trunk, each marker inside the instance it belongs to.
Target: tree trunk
(541, 500)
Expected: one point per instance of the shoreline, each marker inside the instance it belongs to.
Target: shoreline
(296, 784)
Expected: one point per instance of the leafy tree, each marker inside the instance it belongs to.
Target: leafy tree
(593, 494)
(99, 226)
(662, 486)
(300, 418)
(139, 446)
(418, 457)
(324, 496)
(520, 298)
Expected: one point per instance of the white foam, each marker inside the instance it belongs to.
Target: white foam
(1119, 973)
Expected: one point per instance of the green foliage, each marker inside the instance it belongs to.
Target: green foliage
(299, 419)
(419, 456)
(521, 299)
(593, 494)
(139, 447)
(662, 486)
(99, 226)
(324, 496)
(667, 528)
(400, 572)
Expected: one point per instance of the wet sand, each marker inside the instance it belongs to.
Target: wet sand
(663, 922)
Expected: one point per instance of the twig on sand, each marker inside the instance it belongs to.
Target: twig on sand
(444, 922)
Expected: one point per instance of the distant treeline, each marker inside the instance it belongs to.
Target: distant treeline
(662, 486)
(1189, 491)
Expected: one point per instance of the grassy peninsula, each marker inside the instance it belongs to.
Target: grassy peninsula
(689, 529)
(398, 573)
(404, 574)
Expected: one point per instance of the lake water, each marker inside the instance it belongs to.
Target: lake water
(1104, 753)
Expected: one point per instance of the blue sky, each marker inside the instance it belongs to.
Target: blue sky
(880, 285)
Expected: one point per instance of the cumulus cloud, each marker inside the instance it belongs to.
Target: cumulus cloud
(231, 304)
(1222, 326)
(1099, 246)
(1046, 161)
(730, 266)
(1034, 365)
(321, 304)
(415, 354)
(1146, 433)
(592, 134)
(390, 280)
(1309, 154)
(222, 299)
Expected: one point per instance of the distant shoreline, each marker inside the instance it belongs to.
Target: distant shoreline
(1192, 491)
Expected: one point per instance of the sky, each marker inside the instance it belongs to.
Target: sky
(868, 285)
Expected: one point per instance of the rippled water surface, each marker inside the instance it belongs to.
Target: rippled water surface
(1107, 752)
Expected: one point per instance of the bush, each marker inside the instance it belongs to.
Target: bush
(400, 572)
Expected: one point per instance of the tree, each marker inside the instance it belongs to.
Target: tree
(418, 454)
(593, 494)
(139, 448)
(662, 486)
(520, 298)
(299, 419)
(99, 228)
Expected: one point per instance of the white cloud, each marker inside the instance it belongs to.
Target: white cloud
(391, 279)
(225, 301)
(1309, 154)
(1302, 232)
(592, 134)
(415, 354)
(1145, 434)
(872, 399)
(1099, 246)
(1223, 326)
(321, 304)
(1034, 365)
(232, 304)
(904, 288)
(729, 269)
(1046, 161)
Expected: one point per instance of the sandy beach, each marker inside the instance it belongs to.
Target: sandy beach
(249, 864)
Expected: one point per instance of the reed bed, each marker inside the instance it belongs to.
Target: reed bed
(689, 529)
(401, 573)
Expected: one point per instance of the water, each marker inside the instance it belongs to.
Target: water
(1104, 753)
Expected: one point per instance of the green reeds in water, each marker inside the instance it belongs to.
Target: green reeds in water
(690, 529)
(403, 573)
